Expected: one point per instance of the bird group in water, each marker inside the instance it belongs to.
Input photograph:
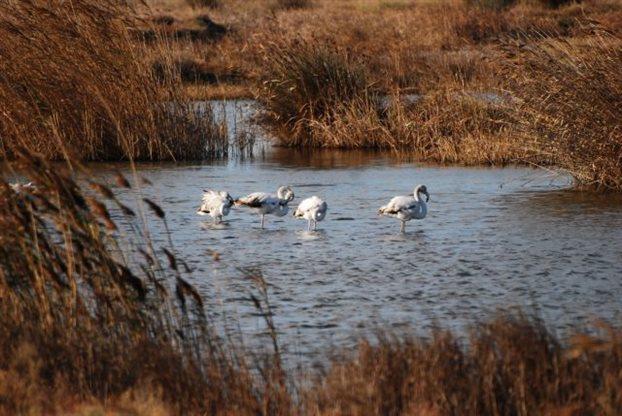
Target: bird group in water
(218, 204)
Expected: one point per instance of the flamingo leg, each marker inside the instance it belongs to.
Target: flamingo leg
(309, 225)
(262, 220)
(403, 227)
(314, 225)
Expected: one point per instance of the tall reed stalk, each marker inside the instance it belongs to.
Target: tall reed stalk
(571, 105)
(74, 84)
(92, 310)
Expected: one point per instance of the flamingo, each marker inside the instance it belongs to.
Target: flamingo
(19, 187)
(216, 204)
(406, 208)
(312, 209)
(264, 203)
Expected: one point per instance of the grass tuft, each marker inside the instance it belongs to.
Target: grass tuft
(304, 82)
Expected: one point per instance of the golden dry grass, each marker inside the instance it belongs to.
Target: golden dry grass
(122, 78)
(91, 313)
(74, 84)
(571, 105)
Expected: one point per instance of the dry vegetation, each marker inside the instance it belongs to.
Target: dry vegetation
(571, 101)
(91, 327)
(324, 72)
(74, 85)
(444, 81)
(83, 304)
(90, 313)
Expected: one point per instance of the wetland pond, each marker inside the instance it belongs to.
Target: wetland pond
(493, 238)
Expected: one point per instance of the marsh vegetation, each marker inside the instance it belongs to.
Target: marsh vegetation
(116, 81)
(80, 314)
(83, 299)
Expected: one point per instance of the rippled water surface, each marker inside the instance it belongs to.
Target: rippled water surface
(493, 238)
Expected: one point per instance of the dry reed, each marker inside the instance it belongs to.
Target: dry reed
(320, 97)
(509, 366)
(74, 85)
(93, 312)
(571, 106)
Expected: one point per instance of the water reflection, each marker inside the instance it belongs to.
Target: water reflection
(334, 159)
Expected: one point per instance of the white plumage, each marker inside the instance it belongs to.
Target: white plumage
(216, 204)
(406, 208)
(264, 203)
(18, 187)
(313, 210)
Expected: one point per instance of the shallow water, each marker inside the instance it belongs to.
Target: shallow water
(493, 238)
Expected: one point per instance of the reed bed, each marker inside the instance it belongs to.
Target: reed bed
(571, 106)
(510, 365)
(74, 84)
(481, 81)
(92, 312)
(321, 97)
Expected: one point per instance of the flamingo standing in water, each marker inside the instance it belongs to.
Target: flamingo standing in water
(264, 203)
(406, 208)
(313, 210)
(216, 204)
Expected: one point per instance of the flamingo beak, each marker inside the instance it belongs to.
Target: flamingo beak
(427, 196)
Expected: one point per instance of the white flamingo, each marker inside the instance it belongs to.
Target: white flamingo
(406, 208)
(313, 210)
(264, 203)
(19, 187)
(216, 204)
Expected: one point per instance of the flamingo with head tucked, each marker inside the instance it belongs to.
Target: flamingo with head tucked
(313, 210)
(406, 208)
(216, 204)
(264, 203)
